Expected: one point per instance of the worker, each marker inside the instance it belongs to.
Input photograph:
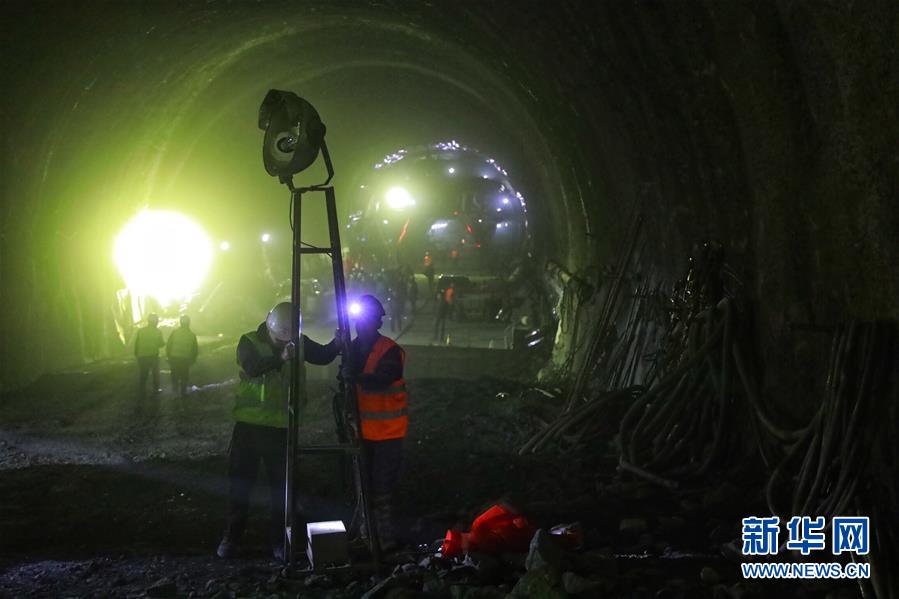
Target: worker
(146, 350)
(445, 301)
(181, 351)
(428, 271)
(399, 288)
(260, 430)
(412, 288)
(376, 368)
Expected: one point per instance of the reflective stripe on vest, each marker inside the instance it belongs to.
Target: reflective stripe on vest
(263, 399)
(384, 413)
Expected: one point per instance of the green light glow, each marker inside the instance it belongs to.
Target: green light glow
(398, 198)
(164, 255)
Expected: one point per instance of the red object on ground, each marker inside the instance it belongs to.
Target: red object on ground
(498, 529)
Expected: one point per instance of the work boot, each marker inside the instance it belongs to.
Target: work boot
(226, 549)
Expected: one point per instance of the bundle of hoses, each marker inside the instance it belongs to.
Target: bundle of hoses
(847, 454)
(575, 430)
(686, 423)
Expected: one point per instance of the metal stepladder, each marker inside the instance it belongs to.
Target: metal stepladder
(347, 413)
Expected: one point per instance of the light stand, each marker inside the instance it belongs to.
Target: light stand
(294, 134)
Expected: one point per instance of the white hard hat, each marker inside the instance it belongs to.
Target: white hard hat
(278, 322)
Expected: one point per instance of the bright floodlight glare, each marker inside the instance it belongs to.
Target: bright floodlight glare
(451, 170)
(225, 246)
(355, 308)
(398, 198)
(266, 238)
(163, 254)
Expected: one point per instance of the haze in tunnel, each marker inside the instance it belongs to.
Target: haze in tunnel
(155, 114)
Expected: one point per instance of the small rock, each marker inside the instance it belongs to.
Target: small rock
(543, 552)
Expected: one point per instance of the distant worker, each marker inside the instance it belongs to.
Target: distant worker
(146, 350)
(260, 430)
(445, 301)
(399, 289)
(181, 351)
(377, 371)
(411, 286)
(429, 271)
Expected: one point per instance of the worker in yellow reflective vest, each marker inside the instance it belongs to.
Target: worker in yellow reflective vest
(377, 371)
(260, 430)
(146, 350)
(181, 350)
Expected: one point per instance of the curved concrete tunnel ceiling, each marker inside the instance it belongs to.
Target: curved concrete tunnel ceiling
(769, 126)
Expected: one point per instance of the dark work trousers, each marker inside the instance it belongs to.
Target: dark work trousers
(397, 310)
(443, 310)
(145, 366)
(250, 444)
(180, 371)
(383, 467)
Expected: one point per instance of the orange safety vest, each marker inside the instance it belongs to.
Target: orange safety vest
(384, 413)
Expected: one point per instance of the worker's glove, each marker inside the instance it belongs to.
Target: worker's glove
(288, 352)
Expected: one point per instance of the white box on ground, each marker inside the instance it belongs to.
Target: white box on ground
(327, 544)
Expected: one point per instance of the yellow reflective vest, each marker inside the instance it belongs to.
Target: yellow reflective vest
(262, 400)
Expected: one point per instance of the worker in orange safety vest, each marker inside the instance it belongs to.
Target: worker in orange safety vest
(376, 370)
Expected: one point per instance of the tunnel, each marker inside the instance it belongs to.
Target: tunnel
(694, 333)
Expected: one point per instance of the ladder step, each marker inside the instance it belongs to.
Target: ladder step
(314, 250)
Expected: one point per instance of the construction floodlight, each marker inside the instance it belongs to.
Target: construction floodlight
(294, 133)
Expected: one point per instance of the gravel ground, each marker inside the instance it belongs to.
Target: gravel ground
(100, 502)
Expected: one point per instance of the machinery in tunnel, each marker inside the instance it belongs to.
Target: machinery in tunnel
(455, 215)
(444, 204)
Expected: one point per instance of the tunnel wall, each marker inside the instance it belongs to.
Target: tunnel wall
(769, 126)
